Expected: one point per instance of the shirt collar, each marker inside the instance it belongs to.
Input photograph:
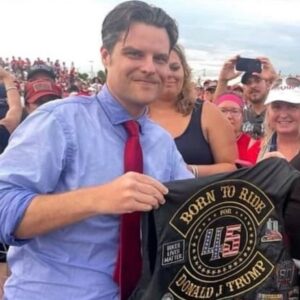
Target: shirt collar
(115, 112)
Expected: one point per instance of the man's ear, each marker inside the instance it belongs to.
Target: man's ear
(105, 56)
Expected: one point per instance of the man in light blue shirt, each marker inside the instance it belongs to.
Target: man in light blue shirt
(62, 187)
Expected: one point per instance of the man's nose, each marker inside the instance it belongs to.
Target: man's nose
(148, 65)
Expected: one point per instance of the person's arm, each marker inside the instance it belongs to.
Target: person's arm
(128, 193)
(31, 169)
(220, 136)
(227, 73)
(14, 113)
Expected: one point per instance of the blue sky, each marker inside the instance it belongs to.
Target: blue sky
(211, 31)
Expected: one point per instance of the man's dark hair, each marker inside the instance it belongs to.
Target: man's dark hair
(125, 14)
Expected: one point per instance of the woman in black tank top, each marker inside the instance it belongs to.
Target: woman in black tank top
(202, 135)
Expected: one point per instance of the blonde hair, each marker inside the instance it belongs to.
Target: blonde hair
(266, 139)
(185, 100)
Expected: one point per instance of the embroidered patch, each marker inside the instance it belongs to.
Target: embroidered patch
(285, 272)
(272, 233)
(221, 222)
(173, 252)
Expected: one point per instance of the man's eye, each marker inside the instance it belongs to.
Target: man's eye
(134, 54)
(161, 59)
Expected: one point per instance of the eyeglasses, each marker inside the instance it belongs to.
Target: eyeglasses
(232, 111)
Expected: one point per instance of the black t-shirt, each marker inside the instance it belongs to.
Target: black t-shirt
(253, 123)
(4, 136)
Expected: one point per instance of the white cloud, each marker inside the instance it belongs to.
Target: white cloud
(282, 11)
(212, 30)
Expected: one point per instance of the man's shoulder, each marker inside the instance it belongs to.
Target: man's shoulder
(151, 125)
(154, 130)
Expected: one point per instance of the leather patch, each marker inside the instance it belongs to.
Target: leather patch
(173, 252)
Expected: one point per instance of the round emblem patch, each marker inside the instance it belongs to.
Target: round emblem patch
(222, 224)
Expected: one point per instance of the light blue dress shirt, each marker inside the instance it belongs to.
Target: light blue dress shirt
(64, 145)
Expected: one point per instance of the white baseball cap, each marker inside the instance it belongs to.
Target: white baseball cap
(286, 90)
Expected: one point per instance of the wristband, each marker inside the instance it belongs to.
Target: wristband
(11, 88)
(195, 171)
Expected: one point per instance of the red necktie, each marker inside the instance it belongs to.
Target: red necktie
(129, 262)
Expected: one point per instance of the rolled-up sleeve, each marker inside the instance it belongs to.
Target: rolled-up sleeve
(31, 165)
(179, 167)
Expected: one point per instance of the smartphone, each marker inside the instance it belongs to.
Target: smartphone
(249, 65)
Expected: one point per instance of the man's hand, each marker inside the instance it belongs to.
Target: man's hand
(268, 72)
(228, 71)
(128, 193)
(132, 192)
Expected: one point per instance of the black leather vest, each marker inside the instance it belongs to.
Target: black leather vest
(221, 237)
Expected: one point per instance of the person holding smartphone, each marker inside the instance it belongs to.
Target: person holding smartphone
(256, 87)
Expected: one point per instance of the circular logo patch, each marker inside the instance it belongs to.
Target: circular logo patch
(222, 223)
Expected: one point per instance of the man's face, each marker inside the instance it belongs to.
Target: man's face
(256, 90)
(137, 66)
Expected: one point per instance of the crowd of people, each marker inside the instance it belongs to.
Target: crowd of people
(66, 77)
(80, 163)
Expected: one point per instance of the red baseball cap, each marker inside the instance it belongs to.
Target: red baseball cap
(39, 88)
